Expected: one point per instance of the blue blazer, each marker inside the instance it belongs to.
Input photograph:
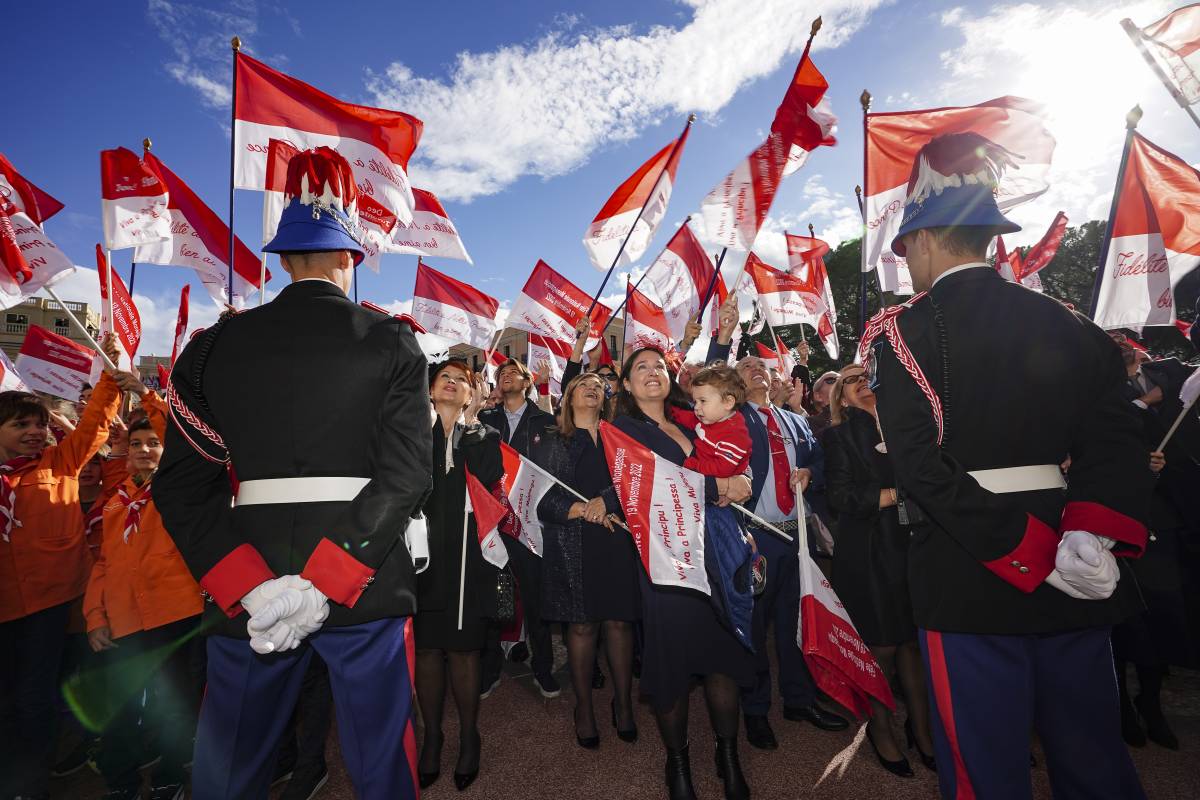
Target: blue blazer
(795, 427)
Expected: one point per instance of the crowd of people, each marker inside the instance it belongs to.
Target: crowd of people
(125, 572)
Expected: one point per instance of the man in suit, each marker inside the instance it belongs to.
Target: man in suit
(1016, 577)
(320, 409)
(522, 425)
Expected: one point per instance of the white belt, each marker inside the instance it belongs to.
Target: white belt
(1020, 479)
(299, 490)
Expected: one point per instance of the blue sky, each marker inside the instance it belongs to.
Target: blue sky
(535, 111)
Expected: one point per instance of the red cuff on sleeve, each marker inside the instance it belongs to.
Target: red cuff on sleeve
(234, 576)
(338, 575)
(1030, 561)
(1101, 520)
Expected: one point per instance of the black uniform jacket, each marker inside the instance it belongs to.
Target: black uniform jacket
(1024, 381)
(308, 385)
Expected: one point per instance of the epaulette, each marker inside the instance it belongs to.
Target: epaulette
(405, 318)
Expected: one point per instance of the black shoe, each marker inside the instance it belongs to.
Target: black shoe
(1131, 726)
(464, 779)
(173, 791)
(117, 794)
(547, 686)
(73, 761)
(901, 768)
(759, 733)
(305, 784)
(679, 775)
(929, 761)
(283, 772)
(1157, 729)
(518, 653)
(488, 685)
(729, 770)
(586, 742)
(629, 735)
(427, 779)
(825, 720)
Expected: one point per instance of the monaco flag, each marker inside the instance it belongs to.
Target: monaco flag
(376, 142)
(893, 140)
(645, 323)
(10, 379)
(664, 509)
(181, 323)
(1024, 271)
(28, 259)
(680, 276)
(783, 298)
(780, 357)
(525, 484)
(548, 358)
(128, 327)
(133, 201)
(451, 309)
(488, 512)
(200, 240)
(639, 204)
(735, 209)
(1154, 241)
(806, 260)
(430, 233)
(54, 364)
(551, 306)
(1175, 39)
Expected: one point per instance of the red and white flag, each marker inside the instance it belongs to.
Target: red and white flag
(806, 260)
(735, 209)
(1175, 39)
(551, 306)
(643, 198)
(1043, 252)
(181, 323)
(488, 512)
(893, 140)
(28, 259)
(780, 357)
(1154, 241)
(783, 298)
(430, 233)
(769, 356)
(376, 142)
(664, 510)
(128, 325)
(54, 364)
(645, 323)
(525, 484)
(841, 664)
(133, 201)
(681, 275)
(10, 378)
(451, 309)
(200, 241)
(548, 358)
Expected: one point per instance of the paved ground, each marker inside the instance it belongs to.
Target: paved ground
(529, 753)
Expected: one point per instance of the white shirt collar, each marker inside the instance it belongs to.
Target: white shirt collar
(960, 268)
(303, 280)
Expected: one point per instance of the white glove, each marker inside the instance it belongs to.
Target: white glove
(1056, 580)
(1085, 564)
(260, 595)
(283, 612)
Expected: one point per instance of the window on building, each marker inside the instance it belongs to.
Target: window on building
(62, 326)
(16, 323)
(507, 352)
(612, 343)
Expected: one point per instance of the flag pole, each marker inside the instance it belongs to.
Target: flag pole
(666, 164)
(80, 327)
(108, 271)
(864, 100)
(262, 279)
(1137, 37)
(1131, 122)
(237, 46)
(712, 284)
(354, 278)
(638, 283)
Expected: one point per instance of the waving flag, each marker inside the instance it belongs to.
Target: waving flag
(488, 512)
(10, 378)
(128, 323)
(645, 323)
(783, 298)
(735, 209)
(1043, 252)
(451, 309)
(639, 204)
(133, 201)
(550, 305)
(1154, 241)
(769, 356)
(664, 509)
(377, 143)
(525, 484)
(28, 259)
(806, 260)
(200, 240)
(893, 140)
(1175, 39)
(54, 364)
(23, 197)
(431, 232)
(548, 358)
(680, 275)
(181, 323)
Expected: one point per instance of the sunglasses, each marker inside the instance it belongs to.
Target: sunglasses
(850, 380)
(829, 381)
(608, 376)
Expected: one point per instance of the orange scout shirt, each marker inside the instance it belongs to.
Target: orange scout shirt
(46, 562)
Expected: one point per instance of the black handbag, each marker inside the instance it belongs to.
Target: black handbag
(506, 596)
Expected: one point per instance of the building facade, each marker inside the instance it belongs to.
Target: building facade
(49, 315)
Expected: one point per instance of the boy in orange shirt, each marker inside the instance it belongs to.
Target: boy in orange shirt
(142, 599)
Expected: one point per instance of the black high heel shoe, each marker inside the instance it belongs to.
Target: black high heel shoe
(464, 779)
(929, 761)
(901, 768)
(586, 742)
(427, 779)
(679, 775)
(629, 735)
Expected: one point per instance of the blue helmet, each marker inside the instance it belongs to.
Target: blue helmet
(322, 206)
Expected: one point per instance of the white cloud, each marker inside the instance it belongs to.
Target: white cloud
(542, 108)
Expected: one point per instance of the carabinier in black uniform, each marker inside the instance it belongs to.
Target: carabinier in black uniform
(319, 409)
(984, 388)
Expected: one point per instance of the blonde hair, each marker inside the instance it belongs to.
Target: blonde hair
(566, 412)
(837, 414)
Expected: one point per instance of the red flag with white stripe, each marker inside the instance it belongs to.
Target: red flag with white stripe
(784, 298)
(525, 484)
(22, 196)
(200, 241)
(1155, 239)
(1043, 252)
(642, 197)
(1175, 39)
(548, 359)
(376, 142)
(770, 357)
(806, 260)
(431, 232)
(28, 259)
(664, 509)
(893, 141)
(681, 275)
(54, 364)
(133, 201)
(181, 323)
(645, 323)
(10, 378)
(453, 310)
(488, 512)
(128, 323)
(550, 305)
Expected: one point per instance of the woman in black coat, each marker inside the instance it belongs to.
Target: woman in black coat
(870, 561)
(455, 596)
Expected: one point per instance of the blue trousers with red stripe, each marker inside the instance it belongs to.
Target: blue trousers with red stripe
(250, 698)
(989, 693)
